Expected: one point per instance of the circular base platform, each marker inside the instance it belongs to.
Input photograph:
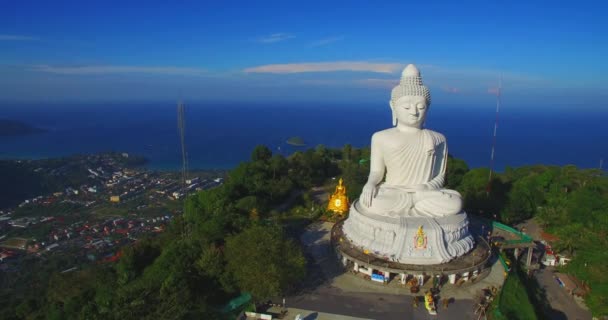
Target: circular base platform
(421, 240)
(472, 262)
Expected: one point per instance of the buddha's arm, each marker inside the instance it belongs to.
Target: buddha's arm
(376, 164)
(376, 173)
(439, 167)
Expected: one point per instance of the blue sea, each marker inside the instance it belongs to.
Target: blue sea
(220, 135)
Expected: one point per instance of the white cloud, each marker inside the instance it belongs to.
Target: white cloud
(480, 75)
(323, 82)
(86, 70)
(326, 41)
(378, 83)
(449, 89)
(359, 66)
(275, 37)
(12, 37)
(455, 80)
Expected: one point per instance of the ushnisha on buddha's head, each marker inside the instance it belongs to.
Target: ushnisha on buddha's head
(410, 99)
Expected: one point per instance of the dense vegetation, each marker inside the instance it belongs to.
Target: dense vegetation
(514, 301)
(570, 203)
(242, 237)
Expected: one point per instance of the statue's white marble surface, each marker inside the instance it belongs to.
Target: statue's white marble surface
(389, 213)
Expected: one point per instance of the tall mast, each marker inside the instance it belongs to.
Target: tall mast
(181, 126)
(498, 93)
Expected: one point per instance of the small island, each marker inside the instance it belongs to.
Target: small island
(296, 141)
(16, 128)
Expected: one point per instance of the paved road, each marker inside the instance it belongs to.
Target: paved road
(329, 299)
(564, 306)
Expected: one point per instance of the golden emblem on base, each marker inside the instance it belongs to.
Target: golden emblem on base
(338, 201)
(420, 239)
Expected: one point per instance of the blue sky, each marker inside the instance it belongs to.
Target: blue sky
(284, 51)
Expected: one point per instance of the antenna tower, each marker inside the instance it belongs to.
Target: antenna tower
(181, 126)
(498, 93)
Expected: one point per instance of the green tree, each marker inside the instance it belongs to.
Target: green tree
(71, 291)
(456, 169)
(300, 170)
(263, 262)
(278, 165)
(481, 197)
(322, 152)
(135, 259)
(261, 153)
(524, 198)
(347, 151)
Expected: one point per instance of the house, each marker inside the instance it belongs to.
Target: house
(193, 180)
(549, 260)
(552, 258)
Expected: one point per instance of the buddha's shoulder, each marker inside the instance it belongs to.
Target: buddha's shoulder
(437, 137)
(384, 134)
(379, 135)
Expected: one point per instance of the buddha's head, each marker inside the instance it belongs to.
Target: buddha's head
(410, 99)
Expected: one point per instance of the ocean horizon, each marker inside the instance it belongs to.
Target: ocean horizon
(221, 135)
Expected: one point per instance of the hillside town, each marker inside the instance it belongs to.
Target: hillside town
(117, 205)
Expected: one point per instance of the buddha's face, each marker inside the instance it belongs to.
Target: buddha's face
(410, 110)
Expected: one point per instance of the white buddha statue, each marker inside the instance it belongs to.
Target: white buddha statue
(407, 214)
(414, 159)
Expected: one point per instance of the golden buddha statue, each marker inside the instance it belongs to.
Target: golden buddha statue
(338, 201)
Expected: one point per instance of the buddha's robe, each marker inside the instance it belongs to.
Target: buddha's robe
(415, 164)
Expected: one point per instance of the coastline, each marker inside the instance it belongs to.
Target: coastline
(148, 165)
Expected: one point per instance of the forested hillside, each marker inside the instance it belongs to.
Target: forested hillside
(242, 237)
(570, 203)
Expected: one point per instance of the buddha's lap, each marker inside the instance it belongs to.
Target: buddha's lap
(402, 200)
